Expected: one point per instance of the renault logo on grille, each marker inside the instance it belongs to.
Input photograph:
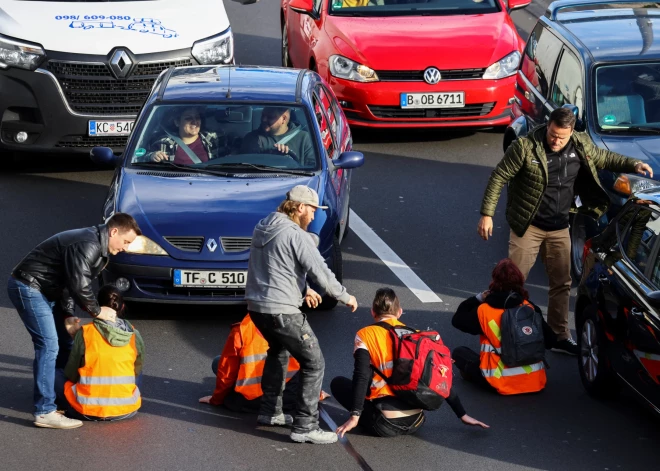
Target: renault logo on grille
(432, 75)
(120, 63)
(211, 245)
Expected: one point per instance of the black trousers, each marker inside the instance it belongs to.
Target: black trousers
(467, 361)
(372, 418)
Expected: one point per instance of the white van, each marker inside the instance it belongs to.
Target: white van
(73, 75)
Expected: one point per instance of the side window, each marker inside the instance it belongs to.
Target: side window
(567, 87)
(326, 136)
(639, 239)
(326, 101)
(540, 57)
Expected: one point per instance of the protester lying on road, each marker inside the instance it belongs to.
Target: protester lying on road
(103, 372)
(44, 288)
(372, 403)
(239, 370)
(483, 315)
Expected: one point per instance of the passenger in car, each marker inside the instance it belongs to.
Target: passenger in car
(277, 134)
(187, 144)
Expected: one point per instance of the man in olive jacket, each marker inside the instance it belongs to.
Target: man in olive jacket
(545, 171)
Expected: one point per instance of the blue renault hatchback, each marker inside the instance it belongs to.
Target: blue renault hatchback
(214, 150)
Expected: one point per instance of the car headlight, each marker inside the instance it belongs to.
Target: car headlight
(505, 67)
(19, 54)
(216, 50)
(631, 184)
(344, 68)
(144, 246)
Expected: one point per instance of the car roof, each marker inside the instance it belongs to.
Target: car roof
(616, 31)
(245, 83)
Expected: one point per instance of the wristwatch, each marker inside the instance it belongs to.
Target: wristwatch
(356, 413)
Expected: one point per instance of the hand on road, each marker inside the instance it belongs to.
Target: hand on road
(107, 314)
(352, 303)
(467, 420)
(160, 156)
(282, 148)
(72, 325)
(312, 298)
(205, 399)
(349, 425)
(643, 168)
(485, 227)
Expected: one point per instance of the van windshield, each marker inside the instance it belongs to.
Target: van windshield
(412, 7)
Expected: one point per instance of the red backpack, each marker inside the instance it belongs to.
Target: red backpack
(422, 367)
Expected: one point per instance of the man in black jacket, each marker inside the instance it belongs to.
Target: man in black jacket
(45, 287)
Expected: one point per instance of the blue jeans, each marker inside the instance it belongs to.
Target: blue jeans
(44, 321)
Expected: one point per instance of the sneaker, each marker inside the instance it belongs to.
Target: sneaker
(318, 437)
(282, 419)
(566, 346)
(56, 420)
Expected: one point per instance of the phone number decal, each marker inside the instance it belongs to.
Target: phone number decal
(93, 17)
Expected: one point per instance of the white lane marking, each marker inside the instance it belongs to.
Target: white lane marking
(393, 261)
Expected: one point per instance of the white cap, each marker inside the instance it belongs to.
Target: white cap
(304, 194)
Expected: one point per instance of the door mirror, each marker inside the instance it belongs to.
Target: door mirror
(246, 2)
(349, 159)
(518, 4)
(104, 156)
(579, 123)
(304, 7)
(654, 298)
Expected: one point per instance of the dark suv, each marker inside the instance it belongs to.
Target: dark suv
(601, 60)
(617, 314)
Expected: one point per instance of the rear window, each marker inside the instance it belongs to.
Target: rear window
(412, 7)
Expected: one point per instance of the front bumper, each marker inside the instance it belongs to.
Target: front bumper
(377, 104)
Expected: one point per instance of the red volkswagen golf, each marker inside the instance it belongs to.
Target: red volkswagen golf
(409, 63)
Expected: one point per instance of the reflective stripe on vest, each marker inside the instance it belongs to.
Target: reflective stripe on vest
(253, 358)
(502, 370)
(257, 379)
(107, 401)
(106, 380)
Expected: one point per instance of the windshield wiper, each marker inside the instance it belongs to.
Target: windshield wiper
(650, 129)
(263, 168)
(171, 166)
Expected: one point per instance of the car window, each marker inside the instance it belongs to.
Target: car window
(326, 101)
(197, 135)
(540, 57)
(326, 135)
(567, 87)
(639, 238)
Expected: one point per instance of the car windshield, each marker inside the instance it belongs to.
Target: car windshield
(254, 137)
(411, 7)
(628, 97)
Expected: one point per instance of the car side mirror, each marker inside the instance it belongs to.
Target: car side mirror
(350, 159)
(579, 123)
(246, 2)
(104, 156)
(654, 298)
(304, 7)
(518, 4)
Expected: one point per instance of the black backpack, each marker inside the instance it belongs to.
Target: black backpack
(522, 340)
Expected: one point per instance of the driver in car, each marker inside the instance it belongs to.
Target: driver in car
(188, 144)
(277, 134)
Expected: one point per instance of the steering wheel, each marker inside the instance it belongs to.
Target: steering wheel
(291, 154)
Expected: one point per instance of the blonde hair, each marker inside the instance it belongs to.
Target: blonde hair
(288, 207)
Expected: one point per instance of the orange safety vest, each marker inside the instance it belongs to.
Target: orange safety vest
(106, 387)
(381, 351)
(252, 361)
(506, 380)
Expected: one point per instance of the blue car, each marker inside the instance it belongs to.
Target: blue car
(214, 150)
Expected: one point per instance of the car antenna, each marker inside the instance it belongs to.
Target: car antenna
(229, 85)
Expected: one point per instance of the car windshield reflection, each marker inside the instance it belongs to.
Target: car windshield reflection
(411, 7)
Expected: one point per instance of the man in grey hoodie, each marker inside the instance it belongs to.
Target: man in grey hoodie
(282, 256)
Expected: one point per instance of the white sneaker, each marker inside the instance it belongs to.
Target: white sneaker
(56, 420)
(318, 437)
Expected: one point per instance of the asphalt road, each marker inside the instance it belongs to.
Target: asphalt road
(420, 192)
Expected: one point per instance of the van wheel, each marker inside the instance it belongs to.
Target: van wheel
(336, 265)
(595, 370)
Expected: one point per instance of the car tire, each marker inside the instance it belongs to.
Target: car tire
(347, 227)
(578, 239)
(286, 59)
(596, 374)
(336, 265)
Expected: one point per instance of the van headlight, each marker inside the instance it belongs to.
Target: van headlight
(144, 246)
(215, 50)
(342, 67)
(630, 184)
(19, 54)
(505, 67)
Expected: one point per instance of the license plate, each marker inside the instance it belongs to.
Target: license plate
(209, 279)
(110, 128)
(433, 100)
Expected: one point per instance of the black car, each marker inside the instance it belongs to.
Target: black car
(601, 60)
(617, 314)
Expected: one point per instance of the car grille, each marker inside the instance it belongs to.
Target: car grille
(477, 109)
(187, 244)
(418, 75)
(236, 244)
(90, 88)
(90, 141)
(206, 293)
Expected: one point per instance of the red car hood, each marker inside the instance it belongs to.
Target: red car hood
(415, 43)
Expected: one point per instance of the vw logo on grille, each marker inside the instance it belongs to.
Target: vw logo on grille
(211, 244)
(432, 75)
(120, 63)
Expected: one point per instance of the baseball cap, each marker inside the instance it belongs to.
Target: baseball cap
(304, 194)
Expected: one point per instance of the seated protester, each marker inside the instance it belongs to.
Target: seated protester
(189, 145)
(278, 134)
(105, 364)
(372, 403)
(481, 315)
